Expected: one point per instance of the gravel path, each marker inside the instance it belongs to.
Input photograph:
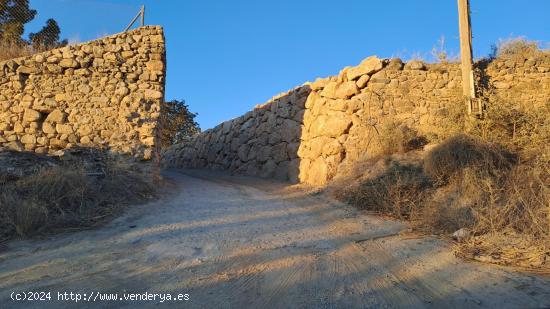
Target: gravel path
(236, 242)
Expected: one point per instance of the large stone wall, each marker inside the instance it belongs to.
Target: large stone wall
(309, 133)
(104, 94)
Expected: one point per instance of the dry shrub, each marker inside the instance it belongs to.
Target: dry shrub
(526, 131)
(507, 248)
(512, 219)
(450, 158)
(486, 179)
(399, 138)
(526, 201)
(399, 191)
(452, 125)
(495, 181)
(66, 197)
(9, 50)
(468, 183)
(516, 47)
(523, 129)
(507, 196)
(448, 209)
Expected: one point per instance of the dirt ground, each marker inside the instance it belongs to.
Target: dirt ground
(237, 242)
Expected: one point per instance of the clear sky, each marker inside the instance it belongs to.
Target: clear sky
(225, 56)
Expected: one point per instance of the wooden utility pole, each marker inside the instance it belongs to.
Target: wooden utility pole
(466, 55)
(142, 15)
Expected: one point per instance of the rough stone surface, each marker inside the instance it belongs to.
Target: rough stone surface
(368, 66)
(56, 116)
(328, 124)
(415, 65)
(31, 115)
(102, 94)
(362, 81)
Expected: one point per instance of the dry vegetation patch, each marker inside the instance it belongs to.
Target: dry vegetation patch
(462, 152)
(398, 191)
(501, 205)
(515, 47)
(44, 194)
(9, 50)
(493, 184)
(400, 138)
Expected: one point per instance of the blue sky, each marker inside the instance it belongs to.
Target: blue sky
(225, 56)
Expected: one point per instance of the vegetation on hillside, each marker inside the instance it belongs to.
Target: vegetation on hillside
(14, 14)
(41, 194)
(492, 183)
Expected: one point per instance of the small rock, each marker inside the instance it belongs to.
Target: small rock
(56, 116)
(39, 58)
(28, 139)
(26, 70)
(329, 91)
(68, 63)
(462, 234)
(368, 66)
(52, 59)
(48, 128)
(153, 94)
(346, 90)
(415, 65)
(319, 84)
(155, 65)
(31, 115)
(64, 129)
(362, 81)
(395, 64)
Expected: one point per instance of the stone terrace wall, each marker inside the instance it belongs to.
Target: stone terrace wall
(263, 142)
(105, 93)
(308, 134)
(519, 80)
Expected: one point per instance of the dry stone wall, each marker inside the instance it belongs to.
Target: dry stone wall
(518, 80)
(310, 133)
(104, 94)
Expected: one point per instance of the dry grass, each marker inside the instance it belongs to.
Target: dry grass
(399, 138)
(64, 196)
(440, 54)
(13, 50)
(451, 158)
(455, 119)
(523, 129)
(514, 228)
(399, 191)
(516, 47)
(495, 184)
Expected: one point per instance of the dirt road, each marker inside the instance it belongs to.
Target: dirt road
(245, 243)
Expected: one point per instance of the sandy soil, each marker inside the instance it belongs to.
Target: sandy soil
(236, 242)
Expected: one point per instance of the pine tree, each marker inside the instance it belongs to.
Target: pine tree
(47, 37)
(14, 14)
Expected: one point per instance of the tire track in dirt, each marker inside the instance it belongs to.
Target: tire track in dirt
(238, 242)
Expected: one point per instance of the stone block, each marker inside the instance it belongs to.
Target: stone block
(368, 66)
(31, 115)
